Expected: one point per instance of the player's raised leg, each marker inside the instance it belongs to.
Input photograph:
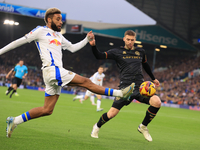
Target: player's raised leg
(37, 112)
(85, 82)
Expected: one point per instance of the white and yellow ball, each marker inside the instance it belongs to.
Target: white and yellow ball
(147, 89)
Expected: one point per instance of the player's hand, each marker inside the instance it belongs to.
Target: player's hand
(23, 77)
(156, 82)
(92, 43)
(7, 77)
(90, 36)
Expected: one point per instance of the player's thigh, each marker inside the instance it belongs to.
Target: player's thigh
(50, 101)
(79, 81)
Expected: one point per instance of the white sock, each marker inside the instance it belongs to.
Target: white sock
(98, 103)
(92, 99)
(78, 97)
(117, 93)
(18, 120)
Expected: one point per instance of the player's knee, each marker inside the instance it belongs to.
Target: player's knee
(111, 115)
(48, 112)
(155, 101)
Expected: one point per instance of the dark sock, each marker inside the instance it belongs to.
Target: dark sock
(9, 90)
(150, 114)
(103, 119)
(12, 93)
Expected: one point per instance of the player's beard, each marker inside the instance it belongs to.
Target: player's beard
(54, 27)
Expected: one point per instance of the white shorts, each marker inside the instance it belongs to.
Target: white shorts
(54, 78)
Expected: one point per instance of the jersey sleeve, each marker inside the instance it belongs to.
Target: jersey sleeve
(110, 54)
(34, 34)
(73, 47)
(144, 59)
(15, 69)
(26, 70)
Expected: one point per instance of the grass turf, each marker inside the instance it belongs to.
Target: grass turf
(70, 125)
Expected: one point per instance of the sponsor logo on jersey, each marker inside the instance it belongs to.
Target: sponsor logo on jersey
(137, 53)
(124, 52)
(54, 41)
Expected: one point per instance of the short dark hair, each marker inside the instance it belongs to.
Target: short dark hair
(130, 32)
(50, 12)
(101, 67)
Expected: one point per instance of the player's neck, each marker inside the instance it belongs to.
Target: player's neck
(128, 48)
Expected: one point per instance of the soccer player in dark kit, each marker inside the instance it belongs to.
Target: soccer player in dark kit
(130, 61)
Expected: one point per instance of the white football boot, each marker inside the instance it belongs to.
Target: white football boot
(128, 91)
(10, 126)
(95, 131)
(143, 129)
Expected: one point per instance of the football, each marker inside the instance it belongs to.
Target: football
(147, 89)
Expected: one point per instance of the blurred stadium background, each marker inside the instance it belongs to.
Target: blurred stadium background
(172, 47)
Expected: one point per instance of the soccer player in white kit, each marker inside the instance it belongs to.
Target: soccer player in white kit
(50, 43)
(97, 78)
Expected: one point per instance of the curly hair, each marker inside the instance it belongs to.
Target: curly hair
(50, 12)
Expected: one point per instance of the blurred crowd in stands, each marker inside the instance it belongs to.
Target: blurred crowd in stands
(176, 87)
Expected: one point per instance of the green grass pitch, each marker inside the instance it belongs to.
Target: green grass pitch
(70, 125)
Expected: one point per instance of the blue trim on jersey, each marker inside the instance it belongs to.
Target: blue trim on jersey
(58, 77)
(52, 60)
(47, 94)
(38, 46)
(36, 28)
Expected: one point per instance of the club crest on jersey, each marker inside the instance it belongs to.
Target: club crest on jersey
(137, 53)
(54, 41)
(124, 52)
(70, 72)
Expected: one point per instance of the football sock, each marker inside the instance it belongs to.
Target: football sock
(92, 99)
(98, 103)
(78, 97)
(113, 92)
(22, 118)
(108, 92)
(9, 90)
(12, 93)
(103, 119)
(150, 114)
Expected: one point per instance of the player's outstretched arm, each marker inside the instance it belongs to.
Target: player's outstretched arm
(75, 47)
(7, 76)
(13, 45)
(148, 70)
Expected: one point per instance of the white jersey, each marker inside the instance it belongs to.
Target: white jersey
(50, 44)
(97, 78)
